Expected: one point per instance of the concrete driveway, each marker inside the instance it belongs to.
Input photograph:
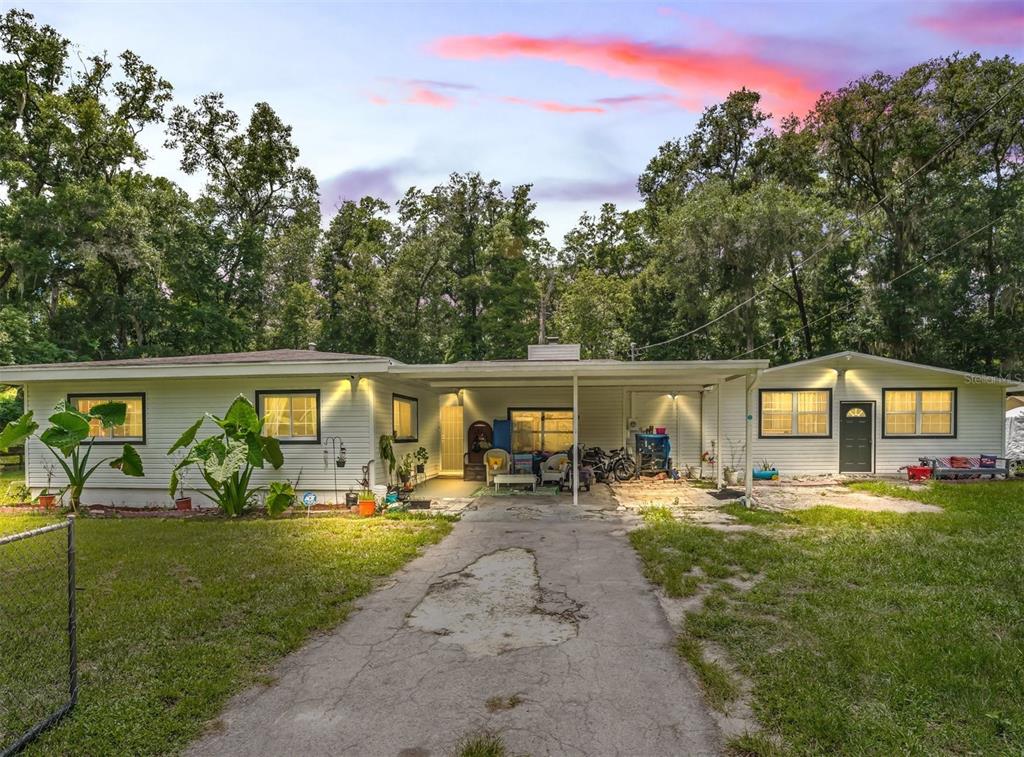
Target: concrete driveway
(532, 619)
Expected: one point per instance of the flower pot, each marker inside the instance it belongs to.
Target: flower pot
(367, 507)
(47, 500)
(730, 478)
(421, 468)
(183, 503)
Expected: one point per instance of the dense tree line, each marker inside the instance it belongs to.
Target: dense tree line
(889, 219)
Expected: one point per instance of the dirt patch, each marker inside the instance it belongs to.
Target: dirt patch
(802, 497)
(496, 604)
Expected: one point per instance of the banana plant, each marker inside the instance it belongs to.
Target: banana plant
(227, 460)
(64, 437)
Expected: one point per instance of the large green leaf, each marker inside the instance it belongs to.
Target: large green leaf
(110, 413)
(272, 451)
(63, 439)
(241, 418)
(280, 496)
(72, 421)
(221, 467)
(130, 464)
(16, 432)
(188, 437)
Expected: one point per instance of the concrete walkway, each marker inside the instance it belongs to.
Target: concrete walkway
(532, 620)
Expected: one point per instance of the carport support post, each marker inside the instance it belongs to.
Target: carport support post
(575, 440)
(720, 453)
(748, 447)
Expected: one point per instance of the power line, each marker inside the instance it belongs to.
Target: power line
(894, 279)
(847, 226)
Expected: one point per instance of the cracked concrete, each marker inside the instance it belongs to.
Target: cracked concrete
(423, 660)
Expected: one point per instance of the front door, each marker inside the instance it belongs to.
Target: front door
(856, 435)
(452, 442)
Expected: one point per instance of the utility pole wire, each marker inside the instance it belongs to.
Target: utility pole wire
(856, 219)
(887, 283)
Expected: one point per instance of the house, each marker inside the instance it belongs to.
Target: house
(843, 413)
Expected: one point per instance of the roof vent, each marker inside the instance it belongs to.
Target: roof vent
(553, 352)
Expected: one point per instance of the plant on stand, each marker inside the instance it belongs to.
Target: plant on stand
(386, 448)
(227, 461)
(421, 460)
(405, 469)
(64, 437)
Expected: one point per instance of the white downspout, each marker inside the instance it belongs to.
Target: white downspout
(575, 440)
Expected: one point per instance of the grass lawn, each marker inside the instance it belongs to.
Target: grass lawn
(12, 483)
(177, 615)
(867, 633)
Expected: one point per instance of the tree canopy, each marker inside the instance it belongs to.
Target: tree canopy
(887, 219)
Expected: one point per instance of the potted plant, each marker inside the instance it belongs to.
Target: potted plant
(367, 503)
(421, 460)
(181, 502)
(45, 498)
(767, 472)
(68, 430)
(730, 475)
(405, 468)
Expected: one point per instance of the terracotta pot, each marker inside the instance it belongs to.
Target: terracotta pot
(367, 507)
(47, 500)
(183, 503)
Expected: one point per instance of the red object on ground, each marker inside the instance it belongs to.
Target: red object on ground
(918, 472)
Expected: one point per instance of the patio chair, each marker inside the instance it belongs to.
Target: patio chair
(495, 461)
(551, 470)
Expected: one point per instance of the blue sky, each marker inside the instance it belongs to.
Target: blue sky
(572, 97)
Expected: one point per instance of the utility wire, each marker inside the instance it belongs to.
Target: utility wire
(847, 226)
(894, 279)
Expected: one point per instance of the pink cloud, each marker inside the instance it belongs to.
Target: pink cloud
(378, 99)
(552, 106)
(696, 75)
(625, 101)
(430, 98)
(979, 23)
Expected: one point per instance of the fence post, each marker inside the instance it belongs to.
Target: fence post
(72, 616)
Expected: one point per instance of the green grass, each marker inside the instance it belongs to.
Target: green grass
(719, 687)
(868, 633)
(12, 487)
(177, 615)
(482, 745)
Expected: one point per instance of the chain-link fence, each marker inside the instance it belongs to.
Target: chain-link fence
(38, 655)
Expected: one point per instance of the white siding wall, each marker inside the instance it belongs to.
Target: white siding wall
(979, 419)
(429, 423)
(172, 405)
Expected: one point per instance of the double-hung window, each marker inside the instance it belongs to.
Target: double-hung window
(541, 430)
(795, 412)
(132, 430)
(919, 412)
(290, 416)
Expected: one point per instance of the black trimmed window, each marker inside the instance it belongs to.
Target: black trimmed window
(541, 429)
(132, 430)
(919, 412)
(292, 416)
(795, 413)
(405, 418)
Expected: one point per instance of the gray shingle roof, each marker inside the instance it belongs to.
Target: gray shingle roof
(261, 356)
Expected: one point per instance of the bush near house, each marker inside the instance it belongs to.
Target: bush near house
(867, 633)
(177, 615)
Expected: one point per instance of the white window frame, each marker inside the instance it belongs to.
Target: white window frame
(795, 412)
(262, 394)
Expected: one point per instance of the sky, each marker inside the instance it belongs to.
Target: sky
(571, 97)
